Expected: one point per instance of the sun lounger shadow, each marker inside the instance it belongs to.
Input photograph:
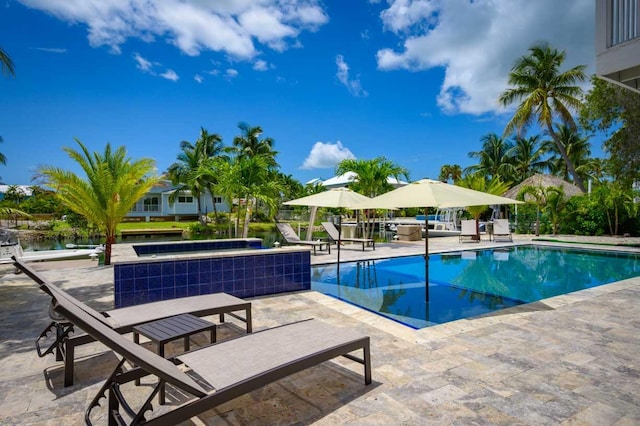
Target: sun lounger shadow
(333, 234)
(292, 238)
(60, 337)
(218, 373)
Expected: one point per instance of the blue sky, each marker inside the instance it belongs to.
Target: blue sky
(415, 81)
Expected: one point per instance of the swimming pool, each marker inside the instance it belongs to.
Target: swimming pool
(470, 283)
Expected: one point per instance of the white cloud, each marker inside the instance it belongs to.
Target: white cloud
(51, 49)
(231, 73)
(260, 65)
(477, 43)
(231, 27)
(354, 86)
(170, 75)
(142, 63)
(326, 155)
(198, 78)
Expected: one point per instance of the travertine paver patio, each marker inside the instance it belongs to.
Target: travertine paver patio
(567, 360)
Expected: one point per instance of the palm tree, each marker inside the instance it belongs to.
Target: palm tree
(230, 185)
(260, 185)
(556, 203)
(450, 173)
(577, 148)
(616, 198)
(544, 93)
(527, 157)
(480, 183)
(6, 64)
(541, 196)
(8, 69)
(188, 172)
(249, 144)
(372, 177)
(493, 158)
(112, 185)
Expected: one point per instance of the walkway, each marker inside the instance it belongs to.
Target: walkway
(566, 360)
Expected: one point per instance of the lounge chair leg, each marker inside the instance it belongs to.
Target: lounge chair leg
(59, 350)
(367, 364)
(248, 320)
(69, 354)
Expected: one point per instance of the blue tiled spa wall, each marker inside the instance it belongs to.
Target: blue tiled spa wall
(262, 272)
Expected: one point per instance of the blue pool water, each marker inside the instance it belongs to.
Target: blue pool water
(469, 283)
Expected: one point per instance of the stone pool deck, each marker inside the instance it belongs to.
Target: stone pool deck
(571, 359)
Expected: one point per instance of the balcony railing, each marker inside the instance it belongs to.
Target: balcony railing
(625, 21)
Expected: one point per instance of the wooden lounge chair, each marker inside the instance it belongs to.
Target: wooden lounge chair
(124, 319)
(501, 230)
(468, 231)
(217, 373)
(291, 237)
(333, 234)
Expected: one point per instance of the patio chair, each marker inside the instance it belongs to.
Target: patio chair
(501, 230)
(123, 320)
(214, 374)
(291, 237)
(468, 231)
(333, 234)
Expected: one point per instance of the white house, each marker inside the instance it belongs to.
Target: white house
(156, 203)
(618, 42)
(350, 177)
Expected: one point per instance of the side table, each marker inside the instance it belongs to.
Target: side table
(165, 330)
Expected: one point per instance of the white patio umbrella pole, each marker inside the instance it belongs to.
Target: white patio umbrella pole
(339, 236)
(426, 255)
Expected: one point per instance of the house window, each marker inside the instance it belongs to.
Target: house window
(217, 200)
(185, 199)
(151, 204)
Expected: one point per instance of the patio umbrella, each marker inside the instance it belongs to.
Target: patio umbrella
(431, 193)
(336, 198)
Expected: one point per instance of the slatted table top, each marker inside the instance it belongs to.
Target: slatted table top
(171, 328)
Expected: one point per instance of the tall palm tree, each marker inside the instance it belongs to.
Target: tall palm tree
(188, 172)
(248, 144)
(112, 185)
(493, 158)
(544, 93)
(372, 177)
(527, 157)
(8, 68)
(577, 148)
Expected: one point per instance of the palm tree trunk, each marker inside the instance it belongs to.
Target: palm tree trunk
(563, 153)
(247, 219)
(111, 239)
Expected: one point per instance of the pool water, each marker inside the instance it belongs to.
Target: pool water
(469, 283)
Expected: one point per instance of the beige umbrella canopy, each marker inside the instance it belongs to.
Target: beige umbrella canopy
(433, 193)
(544, 181)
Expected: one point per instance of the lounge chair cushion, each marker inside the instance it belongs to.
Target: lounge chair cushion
(240, 359)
